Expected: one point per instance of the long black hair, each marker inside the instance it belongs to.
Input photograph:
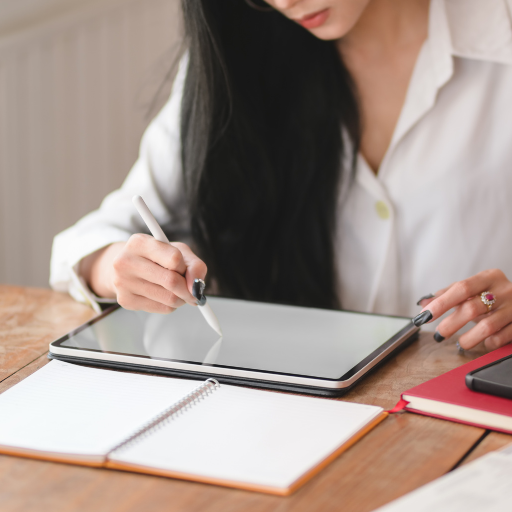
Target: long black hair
(264, 110)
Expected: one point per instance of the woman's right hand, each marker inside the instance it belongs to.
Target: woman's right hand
(144, 274)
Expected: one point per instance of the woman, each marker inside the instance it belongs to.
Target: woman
(328, 153)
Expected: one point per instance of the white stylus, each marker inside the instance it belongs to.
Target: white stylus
(157, 232)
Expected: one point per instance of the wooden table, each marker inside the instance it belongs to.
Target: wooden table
(402, 453)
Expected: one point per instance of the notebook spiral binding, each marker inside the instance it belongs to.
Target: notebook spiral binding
(188, 401)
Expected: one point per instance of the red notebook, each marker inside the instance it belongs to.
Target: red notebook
(448, 397)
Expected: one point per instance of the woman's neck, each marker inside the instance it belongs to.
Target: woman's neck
(380, 52)
(386, 25)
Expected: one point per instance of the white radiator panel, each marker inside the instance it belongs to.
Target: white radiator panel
(75, 95)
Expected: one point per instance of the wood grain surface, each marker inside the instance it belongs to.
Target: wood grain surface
(402, 453)
(421, 361)
(30, 318)
(491, 442)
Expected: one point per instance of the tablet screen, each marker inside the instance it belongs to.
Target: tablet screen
(267, 337)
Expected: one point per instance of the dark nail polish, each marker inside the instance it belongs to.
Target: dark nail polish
(422, 318)
(438, 337)
(198, 292)
(429, 296)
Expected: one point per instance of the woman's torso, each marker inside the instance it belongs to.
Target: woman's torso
(439, 209)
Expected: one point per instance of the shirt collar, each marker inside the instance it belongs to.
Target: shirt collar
(433, 69)
(480, 29)
(474, 29)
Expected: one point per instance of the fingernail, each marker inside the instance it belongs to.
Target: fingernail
(438, 337)
(429, 296)
(198, 292)
(422, 318)
(459, 348)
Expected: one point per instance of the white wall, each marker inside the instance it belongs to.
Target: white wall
(77, 78)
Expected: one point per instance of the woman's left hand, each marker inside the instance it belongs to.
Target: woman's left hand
(493, 327)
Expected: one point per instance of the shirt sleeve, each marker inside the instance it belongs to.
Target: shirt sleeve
(156, 176)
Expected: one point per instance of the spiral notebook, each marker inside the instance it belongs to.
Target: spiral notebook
(202, 431)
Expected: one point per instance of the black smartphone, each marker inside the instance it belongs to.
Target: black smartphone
(494, 378)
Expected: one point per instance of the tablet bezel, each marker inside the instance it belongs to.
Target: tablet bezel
(227, 374)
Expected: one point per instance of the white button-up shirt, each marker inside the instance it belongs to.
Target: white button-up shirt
(440, 208)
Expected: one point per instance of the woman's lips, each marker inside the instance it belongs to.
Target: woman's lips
(314, 20)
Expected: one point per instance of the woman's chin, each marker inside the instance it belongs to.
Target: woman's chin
(338, 23)
(329, 31)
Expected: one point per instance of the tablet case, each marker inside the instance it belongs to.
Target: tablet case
(225, 379)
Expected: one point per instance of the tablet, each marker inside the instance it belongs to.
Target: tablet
(317, 351)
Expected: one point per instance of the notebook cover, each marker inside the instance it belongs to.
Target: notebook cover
(451, 388)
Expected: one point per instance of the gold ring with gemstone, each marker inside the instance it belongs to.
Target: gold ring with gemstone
(488, 299)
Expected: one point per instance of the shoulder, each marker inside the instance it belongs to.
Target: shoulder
(161, 142)
(168, 119)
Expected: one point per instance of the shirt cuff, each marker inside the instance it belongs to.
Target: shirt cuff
(65, 272)
(79, 290)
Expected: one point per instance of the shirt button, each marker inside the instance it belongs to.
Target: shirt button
(382, 210)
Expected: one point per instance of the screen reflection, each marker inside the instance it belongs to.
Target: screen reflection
(285, 339)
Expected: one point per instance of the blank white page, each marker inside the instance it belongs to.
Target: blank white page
(484, 484)
(250, 436)
(74, 410)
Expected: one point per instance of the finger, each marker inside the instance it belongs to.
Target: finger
(499, 339)
(154, 292)
(166, 255)
(427, 299)
(461, 291)
(464, 313)
(196, 267)
(131, 268)
(134, 302)
(443, 290)
(495, 321)
(480, 317)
